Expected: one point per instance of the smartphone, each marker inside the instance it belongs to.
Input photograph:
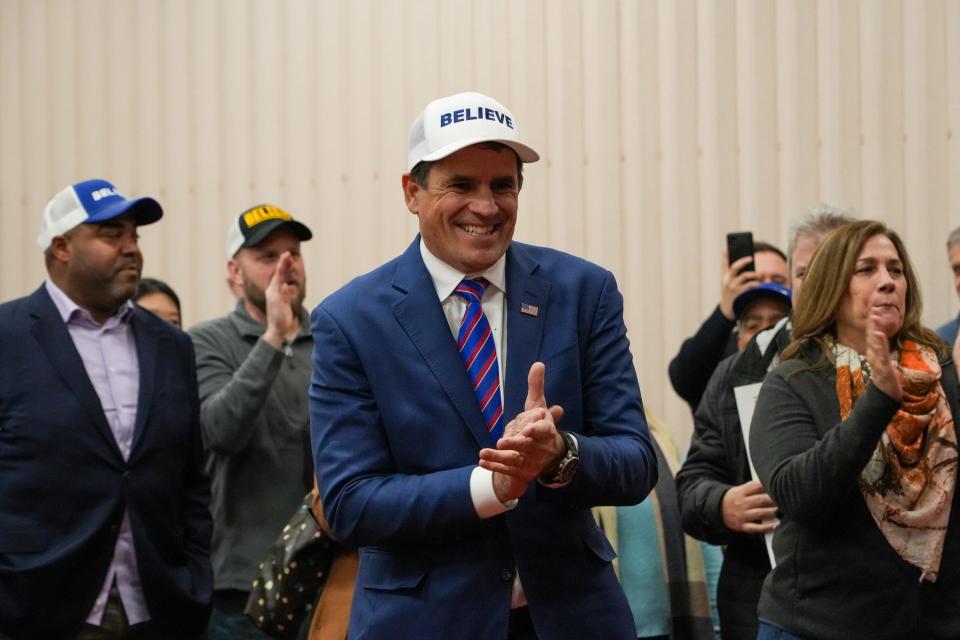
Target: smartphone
(740, 244)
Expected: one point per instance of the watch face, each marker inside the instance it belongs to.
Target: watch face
(566, 471)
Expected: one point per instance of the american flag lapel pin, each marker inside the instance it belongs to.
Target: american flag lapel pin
(529, 309)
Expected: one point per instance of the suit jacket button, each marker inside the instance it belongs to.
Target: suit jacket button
(507, 575)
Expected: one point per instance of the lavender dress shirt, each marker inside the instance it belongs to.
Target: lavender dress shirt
(109, 355)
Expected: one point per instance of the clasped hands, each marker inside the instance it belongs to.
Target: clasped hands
(530, 446)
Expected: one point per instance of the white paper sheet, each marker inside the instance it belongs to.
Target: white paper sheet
(746, 397)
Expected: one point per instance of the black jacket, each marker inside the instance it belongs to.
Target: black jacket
(837, 577)
(699, 355)
(717, 461)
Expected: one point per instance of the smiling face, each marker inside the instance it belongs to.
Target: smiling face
(468, 208)
(877, 291)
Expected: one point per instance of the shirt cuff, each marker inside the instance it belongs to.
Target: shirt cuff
(484, 498)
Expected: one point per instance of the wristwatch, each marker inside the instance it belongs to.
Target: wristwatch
(568, 466)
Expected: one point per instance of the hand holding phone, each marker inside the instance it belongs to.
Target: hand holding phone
(740, 245)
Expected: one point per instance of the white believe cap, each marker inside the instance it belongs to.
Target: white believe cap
(449, 124)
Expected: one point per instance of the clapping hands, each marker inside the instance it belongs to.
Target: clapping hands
(530, 444)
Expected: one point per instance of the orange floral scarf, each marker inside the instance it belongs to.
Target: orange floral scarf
(909, 482)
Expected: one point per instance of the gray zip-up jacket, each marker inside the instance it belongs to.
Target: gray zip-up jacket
(255, 427)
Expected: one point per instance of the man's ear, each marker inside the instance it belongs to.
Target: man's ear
(234, 276)
(410, 191)
(60, 249)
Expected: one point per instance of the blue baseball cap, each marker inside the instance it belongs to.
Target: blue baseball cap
(91, 201)
(770, 290)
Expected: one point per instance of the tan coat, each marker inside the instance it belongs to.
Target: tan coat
(332, 613)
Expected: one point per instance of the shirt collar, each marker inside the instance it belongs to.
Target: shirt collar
(446, 278)
(70, 311)
(246, 325)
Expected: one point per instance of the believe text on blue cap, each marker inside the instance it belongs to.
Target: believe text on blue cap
(102, 193)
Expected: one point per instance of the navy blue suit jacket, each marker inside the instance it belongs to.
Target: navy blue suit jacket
(64, 485)
(397, 432)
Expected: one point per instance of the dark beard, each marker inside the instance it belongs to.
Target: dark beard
(258, 298)
(104, 294)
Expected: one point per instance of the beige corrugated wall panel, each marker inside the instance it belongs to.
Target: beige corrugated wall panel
(925, 158)
(333, 211)
(149, 140)
(528, 86)
(641, 280)
(719, 205)
(797, 115)
(118, 132)
(63, 90)
(267, 108)
(491, 47)
(662, 125)
(33, 145)
(838, 93)
(180, 251)
(758, 119)
(15, 250)
(37, 145)
(88, 68)
(298, 98)
(456, 37)
(361, 106)
(239, 110)
(396, 225)
(953, 107)
(601, 208)
(204, 215)
(952, 23)
(679, 182)
(882, 100)
(564, 145)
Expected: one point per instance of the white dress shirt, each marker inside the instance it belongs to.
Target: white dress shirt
(445, 280)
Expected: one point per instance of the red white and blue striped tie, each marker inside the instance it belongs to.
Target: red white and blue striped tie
(479, 354)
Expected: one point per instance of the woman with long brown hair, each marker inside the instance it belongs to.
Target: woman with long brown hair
(854, 437)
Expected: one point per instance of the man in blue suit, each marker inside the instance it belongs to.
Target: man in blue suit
(436, 450)
(104, 521)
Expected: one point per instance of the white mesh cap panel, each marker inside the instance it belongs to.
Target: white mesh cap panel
(63, 212)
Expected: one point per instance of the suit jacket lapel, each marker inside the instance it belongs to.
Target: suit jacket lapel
(147, 342)
(524, 330)
(420, 314)
(55, 341)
